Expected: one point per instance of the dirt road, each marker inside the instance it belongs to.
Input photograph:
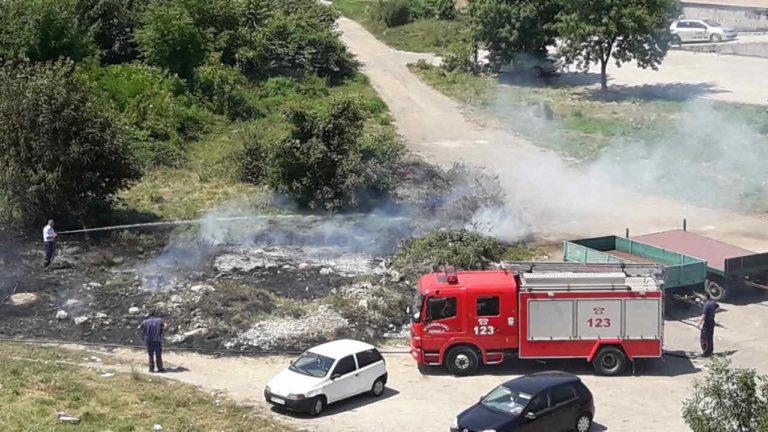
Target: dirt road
(546, 196)
(650, 399)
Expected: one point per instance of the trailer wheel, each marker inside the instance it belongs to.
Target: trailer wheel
(462, 361)
(716, 291)
(609, 361)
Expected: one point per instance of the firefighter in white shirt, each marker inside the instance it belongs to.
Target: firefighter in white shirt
(49, 240)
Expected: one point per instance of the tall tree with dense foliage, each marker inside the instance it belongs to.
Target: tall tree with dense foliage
(729, 399)
(509, 27)
(601, 31)
(42, 30)
(170, 39)
(112, 23)
(61, 154)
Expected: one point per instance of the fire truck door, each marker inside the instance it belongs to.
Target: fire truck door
(495, 321)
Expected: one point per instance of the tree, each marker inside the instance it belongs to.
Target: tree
(170, 39)
(508, 27)
(729, 400)
(42, 30)
(596, 31)
(328, 160)
(112, 23)
(61, 153)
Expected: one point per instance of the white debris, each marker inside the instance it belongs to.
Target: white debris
(92, 286)
(395, 276)
(202, 288)
(71, 302)
(95, 359)
(62, 315)
(133, 310)
(326, 271)
(176, 299)
(101, 315)
(23, 299)
(81, 320)
(107, 375)
(303, 266)
(179, 338)
(269, 334)
(63, 417)
(157, 427)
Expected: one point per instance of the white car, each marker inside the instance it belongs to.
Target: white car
(688, 30)
(326, 374)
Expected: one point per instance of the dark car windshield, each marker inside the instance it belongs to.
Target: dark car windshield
(418, 303)
(312, 364)
(506, 400)
(712, 23)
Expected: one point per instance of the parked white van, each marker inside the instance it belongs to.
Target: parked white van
(326, 374)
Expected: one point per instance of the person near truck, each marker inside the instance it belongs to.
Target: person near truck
(707, 323)
(152, 333)
(49, 241)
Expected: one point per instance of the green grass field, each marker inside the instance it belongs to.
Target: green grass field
(33, 392)
(572, 119)
(430, 35)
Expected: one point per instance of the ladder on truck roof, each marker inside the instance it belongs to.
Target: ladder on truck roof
(536, 276)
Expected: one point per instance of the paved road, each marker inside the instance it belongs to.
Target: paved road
(687, 74)
(545, 196)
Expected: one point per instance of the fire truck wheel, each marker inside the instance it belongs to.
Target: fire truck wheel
(462, 360)
(609, 361)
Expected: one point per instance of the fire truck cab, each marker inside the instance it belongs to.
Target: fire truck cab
(608, 314)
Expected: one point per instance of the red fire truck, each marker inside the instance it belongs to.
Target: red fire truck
(608, 314)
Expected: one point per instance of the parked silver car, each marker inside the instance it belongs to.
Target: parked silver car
(689, 30)
(537, 65)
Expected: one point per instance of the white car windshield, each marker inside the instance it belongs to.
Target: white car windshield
(312, 364)
(506, 400)
(712, 23)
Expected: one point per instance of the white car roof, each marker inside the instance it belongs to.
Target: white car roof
(341, 348)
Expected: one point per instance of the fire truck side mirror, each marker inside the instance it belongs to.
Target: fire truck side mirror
(531, 415)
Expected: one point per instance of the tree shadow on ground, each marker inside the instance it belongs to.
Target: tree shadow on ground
(563, 80)
(672, 92)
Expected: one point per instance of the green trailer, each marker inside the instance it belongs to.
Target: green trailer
(683, 274)
(692, 262)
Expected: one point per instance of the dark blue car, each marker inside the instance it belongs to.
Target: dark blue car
(542, 402)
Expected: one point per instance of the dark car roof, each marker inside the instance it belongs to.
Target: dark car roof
(535, 383)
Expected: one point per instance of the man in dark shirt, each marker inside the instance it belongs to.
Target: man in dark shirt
(152, 333)
(707, 322)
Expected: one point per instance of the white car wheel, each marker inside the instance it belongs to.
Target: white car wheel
(378, 387)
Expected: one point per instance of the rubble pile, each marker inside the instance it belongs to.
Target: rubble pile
(296, 334)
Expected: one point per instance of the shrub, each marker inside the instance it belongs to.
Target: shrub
(156, 107)
(729, 399)
(444, 9)
(394, 12)
(327, 160)
(61, 152)
(459, 59)
(41, 30)
(112, 24)
(169, 38)
(466, 250)
(226, 90)
(295, 45)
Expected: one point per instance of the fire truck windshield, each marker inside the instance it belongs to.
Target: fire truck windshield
(506, 400)
(418, 303)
